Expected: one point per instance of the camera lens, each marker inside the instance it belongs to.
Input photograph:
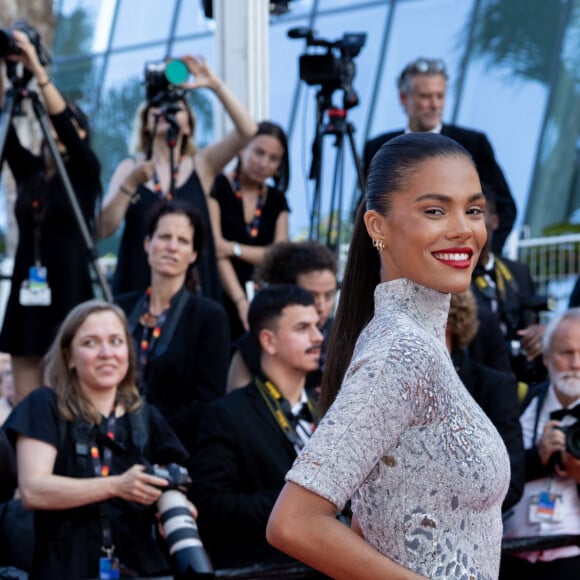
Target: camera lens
(573, 439)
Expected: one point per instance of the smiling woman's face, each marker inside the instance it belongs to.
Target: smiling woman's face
(99, 352)
(435, 229)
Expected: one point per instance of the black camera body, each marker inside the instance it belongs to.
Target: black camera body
(334, 69)
(572, 433)
(162, 80)
(176, 475)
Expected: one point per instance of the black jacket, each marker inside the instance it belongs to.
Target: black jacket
(188, 365)
(238, 469)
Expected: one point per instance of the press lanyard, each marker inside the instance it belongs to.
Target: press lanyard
(280, 409)
(149, 337)
(254, 226)
(102, 468)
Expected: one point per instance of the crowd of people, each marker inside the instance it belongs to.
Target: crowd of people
(419, 426)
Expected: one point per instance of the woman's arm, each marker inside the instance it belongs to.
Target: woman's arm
(54, 101)
(304, 525)
(129, 175)
(41, 489)
(213, 158)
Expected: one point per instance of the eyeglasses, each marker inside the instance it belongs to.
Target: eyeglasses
(423, 66)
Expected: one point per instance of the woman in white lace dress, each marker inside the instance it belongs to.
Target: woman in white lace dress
(425, 470)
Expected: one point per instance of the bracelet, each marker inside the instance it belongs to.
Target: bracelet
(236, 302)
(133, 195)
(44, 83)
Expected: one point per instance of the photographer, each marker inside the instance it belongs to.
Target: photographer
(505, 288)
(51, 253)
(170, 168)
(81, 448)
(550, 505)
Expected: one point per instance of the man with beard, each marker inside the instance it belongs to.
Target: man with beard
(549, 511)
(248, 440)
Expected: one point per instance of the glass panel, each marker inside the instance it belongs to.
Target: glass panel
(192, 19)
(555, 198)
(77, 26)
(142, 22)
(507, 85)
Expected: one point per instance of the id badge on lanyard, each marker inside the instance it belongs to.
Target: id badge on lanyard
(35, 291)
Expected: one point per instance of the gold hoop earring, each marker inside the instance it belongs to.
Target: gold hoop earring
(378, 244)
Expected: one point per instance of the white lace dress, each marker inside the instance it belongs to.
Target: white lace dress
(425, 468)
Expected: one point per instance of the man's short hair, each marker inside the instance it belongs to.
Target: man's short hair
(268, 304)
(285, 261)
(420, 66)
(553, 325)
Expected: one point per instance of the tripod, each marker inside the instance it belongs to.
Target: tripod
(12, 104)
(331, 121)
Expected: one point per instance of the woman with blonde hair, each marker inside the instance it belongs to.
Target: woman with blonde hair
(82, 448)
(167, 165)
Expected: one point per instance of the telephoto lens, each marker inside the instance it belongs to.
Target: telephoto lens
(188, 556)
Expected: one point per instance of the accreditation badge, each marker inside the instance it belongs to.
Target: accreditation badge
(545, 507)
(35, 291)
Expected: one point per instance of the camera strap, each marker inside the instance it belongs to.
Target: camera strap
(280, 409)
(102, 468)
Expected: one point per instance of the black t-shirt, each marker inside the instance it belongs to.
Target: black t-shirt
(68, 542)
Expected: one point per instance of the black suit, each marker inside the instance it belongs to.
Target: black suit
(489, 171)
(496, 393)
(188, 365)
(513, 314)
(239, 463)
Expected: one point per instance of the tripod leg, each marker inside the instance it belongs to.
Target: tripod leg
(5, 119)
(41, 116)
(335, 213)
(358, 193)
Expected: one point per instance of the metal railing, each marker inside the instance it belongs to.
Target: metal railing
(554, 262)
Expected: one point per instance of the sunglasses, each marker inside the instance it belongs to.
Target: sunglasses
(423, 66)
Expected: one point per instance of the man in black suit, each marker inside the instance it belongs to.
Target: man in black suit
(422, 86)
(249, 439)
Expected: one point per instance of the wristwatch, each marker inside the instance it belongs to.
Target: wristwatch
(236, 249)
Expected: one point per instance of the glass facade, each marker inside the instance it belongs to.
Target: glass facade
(513, 69)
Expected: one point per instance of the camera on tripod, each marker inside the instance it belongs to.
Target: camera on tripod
(334, 69)
(163, 80)
(9, 47)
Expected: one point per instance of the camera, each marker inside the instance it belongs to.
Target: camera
(8, 47)
(189, 558)
(333, 69)
(162, 80)
(572, 433)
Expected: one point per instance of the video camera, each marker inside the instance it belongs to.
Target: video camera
(334, 69)
(163, 80)
(8, 47)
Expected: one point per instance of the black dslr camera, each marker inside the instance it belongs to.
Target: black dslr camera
(163, 80)
(333, 69)
(572, 433)
(8, 47)
(176, 476)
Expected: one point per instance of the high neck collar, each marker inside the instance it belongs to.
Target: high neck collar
(427, 307)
